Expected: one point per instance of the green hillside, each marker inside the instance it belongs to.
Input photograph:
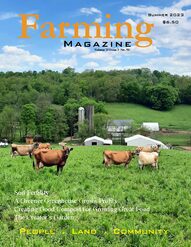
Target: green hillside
(178, 118)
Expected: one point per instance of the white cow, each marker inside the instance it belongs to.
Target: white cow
(146, 158)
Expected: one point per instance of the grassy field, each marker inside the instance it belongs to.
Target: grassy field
(175, 139)
(177, 118)
(163, 194)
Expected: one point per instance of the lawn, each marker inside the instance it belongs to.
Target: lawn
(158, 200)
(177, 118)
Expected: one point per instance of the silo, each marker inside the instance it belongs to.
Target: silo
(90, 116)
(81, 115)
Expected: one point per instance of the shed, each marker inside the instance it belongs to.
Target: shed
(150, 126)
(140, 140)
(97, 141)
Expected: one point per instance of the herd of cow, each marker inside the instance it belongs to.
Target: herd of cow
(45, 156)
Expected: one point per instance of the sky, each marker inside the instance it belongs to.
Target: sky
(170, 51)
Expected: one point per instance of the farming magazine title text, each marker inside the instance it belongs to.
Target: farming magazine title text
(47, 30)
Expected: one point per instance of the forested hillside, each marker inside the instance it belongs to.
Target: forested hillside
(46, 102)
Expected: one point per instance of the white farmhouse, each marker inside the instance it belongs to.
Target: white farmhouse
(97, 141)
(143, 141)
(150, 126)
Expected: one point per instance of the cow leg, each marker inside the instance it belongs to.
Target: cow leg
(156, 166)
(127, 164)
(140, 166)
(33, 163)
(58, 168)
(61, 168)
(37, 165)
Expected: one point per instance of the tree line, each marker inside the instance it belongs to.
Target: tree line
(46, 102)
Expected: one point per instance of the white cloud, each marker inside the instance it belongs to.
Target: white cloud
(7, 15)
(91, 65)
(183, 3)
(17, 59)
(173, 38)
(109, 58)
(59, 65)
(13, 58)
(92, 11)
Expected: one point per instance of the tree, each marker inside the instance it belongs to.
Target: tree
(161, 97)
(130, 92)
(100, 124)
(8, 123)
(186, 95)
(71, 112)
(28, 118)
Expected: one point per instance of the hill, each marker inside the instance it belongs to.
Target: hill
(178, 118)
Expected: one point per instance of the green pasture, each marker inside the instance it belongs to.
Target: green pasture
(165, 192)
(177, 118)
(174, 139)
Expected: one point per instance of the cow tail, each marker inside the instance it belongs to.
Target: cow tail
(33, 164)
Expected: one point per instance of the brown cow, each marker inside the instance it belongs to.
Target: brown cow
(47, 157)
(117, 157)
(44, 146)
(22, 150)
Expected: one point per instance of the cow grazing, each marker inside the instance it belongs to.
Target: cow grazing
(146, 158)
(47, 157)
(117, 157)
(149, 149)
(22, 150)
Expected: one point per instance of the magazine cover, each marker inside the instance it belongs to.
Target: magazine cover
(95, 123)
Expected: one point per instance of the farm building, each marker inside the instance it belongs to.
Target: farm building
(117, 127)
(150, 126)
(97, 141)
(139, 140)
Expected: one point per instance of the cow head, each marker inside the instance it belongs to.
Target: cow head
(35, 145)
(133, 153)
(138, 150)
(67, 151)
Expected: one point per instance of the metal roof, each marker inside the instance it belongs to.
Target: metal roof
(120, 122)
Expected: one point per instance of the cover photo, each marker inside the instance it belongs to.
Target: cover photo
(95, 123)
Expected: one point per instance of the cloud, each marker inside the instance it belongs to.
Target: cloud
(167, 39)
(91, 65)
(109, 58)
(182, 3)
(17, 59)
(8, 15)
(13, 58)
(59, 65)
(92, 11)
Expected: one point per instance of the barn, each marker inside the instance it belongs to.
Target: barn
(140, 140)
(97, 141)
(150, 126)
